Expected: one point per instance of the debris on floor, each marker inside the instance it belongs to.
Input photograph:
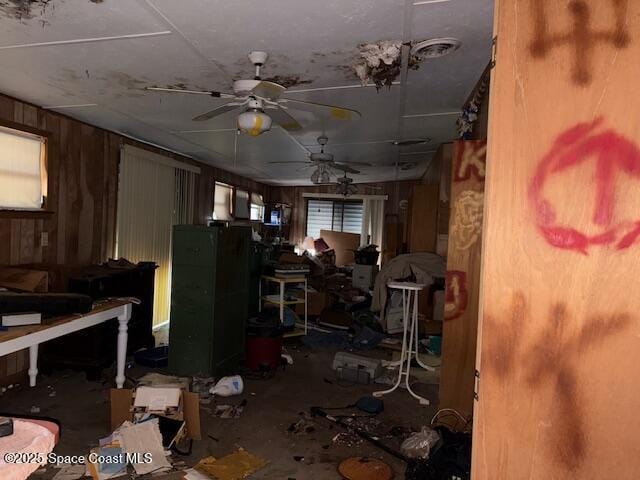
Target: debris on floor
(70, 472)
(419, 444)
(230, 411)
(303, 426)
(228, 386)
(158, 379)
(235, 466)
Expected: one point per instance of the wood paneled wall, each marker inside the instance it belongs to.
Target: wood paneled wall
(460, 327)
(83, 181)
(560, 315)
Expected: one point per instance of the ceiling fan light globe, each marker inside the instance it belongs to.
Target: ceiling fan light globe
(254, 122)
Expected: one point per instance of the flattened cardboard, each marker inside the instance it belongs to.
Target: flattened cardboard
(24, 280)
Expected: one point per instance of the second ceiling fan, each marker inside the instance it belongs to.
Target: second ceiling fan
(257, 95)
(324, 165)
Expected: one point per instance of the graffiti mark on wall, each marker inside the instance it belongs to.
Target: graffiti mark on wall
(551, 361)
(614, 155)
(456, 296)
(466, 226)
(581, 36)
(471, 160)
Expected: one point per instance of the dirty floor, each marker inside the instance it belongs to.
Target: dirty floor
(272, 407)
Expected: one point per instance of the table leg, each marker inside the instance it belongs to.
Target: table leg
(413, 336)
(123, 321)
(33, 365)
(403, 354)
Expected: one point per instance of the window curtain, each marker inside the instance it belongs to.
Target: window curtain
(153, 195)
(372, 222)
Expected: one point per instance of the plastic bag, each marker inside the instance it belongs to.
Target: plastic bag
(228, 386)
(419, 444)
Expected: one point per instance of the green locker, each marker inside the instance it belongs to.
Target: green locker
(209, 299)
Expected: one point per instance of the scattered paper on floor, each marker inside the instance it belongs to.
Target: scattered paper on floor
(235, 466)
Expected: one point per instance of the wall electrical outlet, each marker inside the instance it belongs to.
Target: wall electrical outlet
(44, 239)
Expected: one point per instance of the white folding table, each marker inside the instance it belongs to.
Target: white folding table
(30, 336)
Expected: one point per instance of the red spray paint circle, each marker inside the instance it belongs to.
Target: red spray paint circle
(572, 149)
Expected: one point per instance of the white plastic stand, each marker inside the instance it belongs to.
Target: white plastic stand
(409, 348)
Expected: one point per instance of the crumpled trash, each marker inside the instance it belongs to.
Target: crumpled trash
(419, 444)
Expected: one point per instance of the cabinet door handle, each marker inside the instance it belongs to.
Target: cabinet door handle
(193, 249)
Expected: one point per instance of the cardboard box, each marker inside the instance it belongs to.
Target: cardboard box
(316, 303)
(122, 410)
(290, 257)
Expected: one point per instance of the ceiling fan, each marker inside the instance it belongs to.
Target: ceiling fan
(257, 95)
(324, 164)
(345, 186)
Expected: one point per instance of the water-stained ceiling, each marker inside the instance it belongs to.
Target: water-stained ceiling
(92, 60)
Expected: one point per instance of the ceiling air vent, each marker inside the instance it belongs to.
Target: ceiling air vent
(435, 47)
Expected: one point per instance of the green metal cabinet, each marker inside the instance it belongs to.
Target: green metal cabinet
(209, 299)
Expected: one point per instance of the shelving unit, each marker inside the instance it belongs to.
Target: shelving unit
(280, 301)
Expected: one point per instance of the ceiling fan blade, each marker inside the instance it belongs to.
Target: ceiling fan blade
(268, 90)
(344, 168)
(227, 107)
(290, 163)
(361, 164)
(285, 120)
(210, 93)
(339, 113)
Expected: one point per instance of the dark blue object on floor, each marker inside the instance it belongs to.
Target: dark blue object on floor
(157, 357)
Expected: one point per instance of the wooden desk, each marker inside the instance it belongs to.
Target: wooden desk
(30, 336)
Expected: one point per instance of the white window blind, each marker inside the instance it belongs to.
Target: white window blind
(22, 175)
(257, 207)
(333, 215)
(351, 217)
(223, 196)
(242, 204)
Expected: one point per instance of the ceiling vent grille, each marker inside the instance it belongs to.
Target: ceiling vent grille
(435, 47)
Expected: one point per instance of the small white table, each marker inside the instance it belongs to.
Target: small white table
(410, 292)
(30, 336)
(280, 301)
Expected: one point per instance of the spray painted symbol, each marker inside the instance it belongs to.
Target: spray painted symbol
(471, 160)
(455, 296)
(614, 154)
(581, 35)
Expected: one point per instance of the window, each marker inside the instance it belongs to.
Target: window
(336, 215)
(23, 182)
(241, 209)
(257, 207)
(223, 198)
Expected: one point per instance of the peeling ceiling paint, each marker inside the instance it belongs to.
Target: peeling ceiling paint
(312, 48)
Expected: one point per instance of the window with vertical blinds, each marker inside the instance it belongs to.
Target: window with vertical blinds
(155, 192)
(22, 173)
(339, 216)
